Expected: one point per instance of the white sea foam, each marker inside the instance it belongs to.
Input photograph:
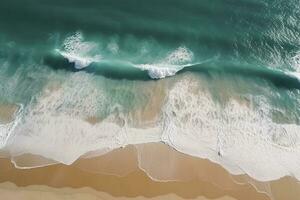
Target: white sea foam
(295, 61)
(56, 123)
(293, 74)
(55, 127)
(181, 55)
(79, 52)
(160, 70)
(170, 65)
(80, 62)
(242, 138)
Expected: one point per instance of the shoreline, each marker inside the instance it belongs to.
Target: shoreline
(158, 161)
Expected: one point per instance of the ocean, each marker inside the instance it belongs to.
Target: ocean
(218, 80)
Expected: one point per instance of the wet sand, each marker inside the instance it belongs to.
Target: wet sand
(51, 181)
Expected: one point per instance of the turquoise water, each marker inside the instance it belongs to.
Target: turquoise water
(230, 64)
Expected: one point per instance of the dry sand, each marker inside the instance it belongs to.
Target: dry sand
(9, 191)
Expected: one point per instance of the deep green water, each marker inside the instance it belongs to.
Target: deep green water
(251, 34)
